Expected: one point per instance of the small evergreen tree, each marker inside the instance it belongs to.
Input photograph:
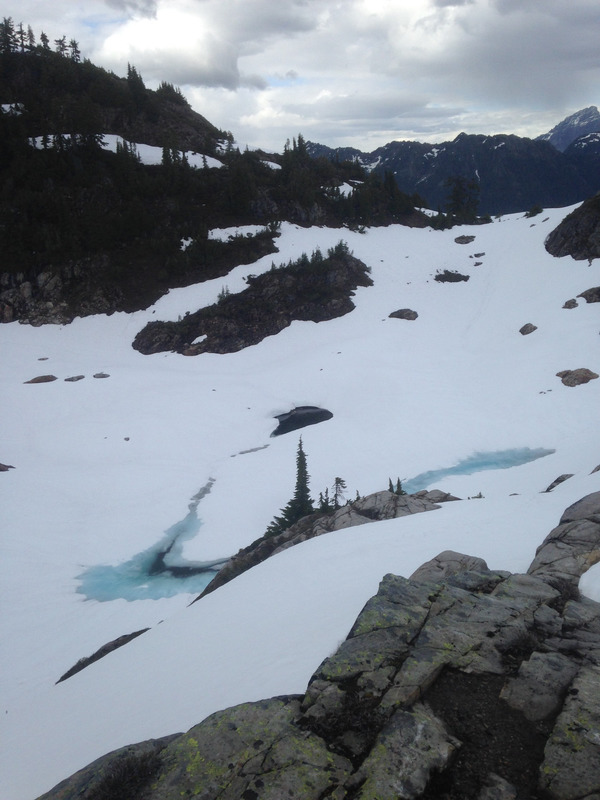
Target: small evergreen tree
(339, 485)
(301, 504)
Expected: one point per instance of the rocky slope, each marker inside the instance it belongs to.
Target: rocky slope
(317, 290)
(581, 123)
(578, 235)
(459, 682)
(377, 506)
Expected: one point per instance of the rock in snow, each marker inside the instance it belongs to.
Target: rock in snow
(457, 682)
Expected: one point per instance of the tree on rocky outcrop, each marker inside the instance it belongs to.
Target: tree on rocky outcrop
(301, 504)
(338, 488)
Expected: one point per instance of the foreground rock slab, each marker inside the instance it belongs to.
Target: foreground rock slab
(460, 683)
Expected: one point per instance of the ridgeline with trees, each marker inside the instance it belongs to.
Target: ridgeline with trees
(86, 230)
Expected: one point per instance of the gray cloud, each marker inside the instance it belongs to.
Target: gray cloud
(145, 7)
(348, 72)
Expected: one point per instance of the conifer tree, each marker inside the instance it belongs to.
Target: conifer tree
(339, 485)
(301, 504)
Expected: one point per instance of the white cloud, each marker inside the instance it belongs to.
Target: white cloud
(388, 70)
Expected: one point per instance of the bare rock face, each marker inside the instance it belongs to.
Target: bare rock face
(460, 682)
(572, 303)
(574, 546)
(578, 235)
(575, 377)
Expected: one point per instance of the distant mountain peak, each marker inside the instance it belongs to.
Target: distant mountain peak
(582, 122)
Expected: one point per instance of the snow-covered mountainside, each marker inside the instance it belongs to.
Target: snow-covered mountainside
(105, 467)
(582, 122)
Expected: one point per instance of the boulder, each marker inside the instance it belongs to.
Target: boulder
(464, 239)
(573, 547)
(527, 328)
(558, 481)
(43, 379)
(450, 276)
(300, 417)
(404, 313)
(575, 377)
(572, 303)
(591, 295)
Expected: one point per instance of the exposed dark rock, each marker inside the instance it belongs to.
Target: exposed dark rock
(404, 313)
(450, 276)
(572, 303)
(315, 292)
(464, 239)
(558, 481)
(101, 375)
(460, 683)
(529, 327)
(75, 378)
(578, 235)
(300, 417)
(43, 379)
(5, 467)
(575, 377)
(100, 653)
(591, 295)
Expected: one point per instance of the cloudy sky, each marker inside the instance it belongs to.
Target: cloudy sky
(347, 72)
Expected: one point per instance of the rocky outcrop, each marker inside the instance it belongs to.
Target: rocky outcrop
(300, 417)
(42, 379)
(107, 648)
(460, 682)
(591, 295)
(404, 313)
(573, 547)
(464, 239)
(315, 291)
(373, 507)
(578, 235)
(450, 276)
(575, 377)
(528, 328)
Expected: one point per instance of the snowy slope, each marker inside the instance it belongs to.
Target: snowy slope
(103, 467)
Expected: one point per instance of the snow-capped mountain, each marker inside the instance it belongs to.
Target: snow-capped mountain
(124, 456)
(512, 172)
(582, 122)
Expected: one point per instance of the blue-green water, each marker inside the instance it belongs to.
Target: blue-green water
(497, 459)
(159, 571)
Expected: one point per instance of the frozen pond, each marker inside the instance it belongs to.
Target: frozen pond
(159, 571)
